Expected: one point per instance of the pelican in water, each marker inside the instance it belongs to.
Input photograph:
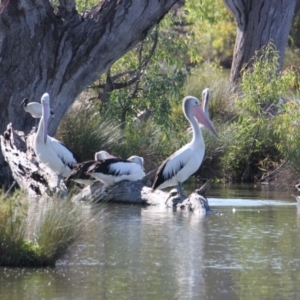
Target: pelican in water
(34, 108)
(51, 152)
(187, 160)
(114, 170)
(78, 173)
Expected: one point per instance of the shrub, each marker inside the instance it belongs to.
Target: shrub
(256, 139)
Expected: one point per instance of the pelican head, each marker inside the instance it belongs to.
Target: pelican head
(138, 160)
(103, 155)
(45, 100)
(191, 107)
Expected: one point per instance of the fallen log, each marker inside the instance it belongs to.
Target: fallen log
(37, 180)
(137, 193)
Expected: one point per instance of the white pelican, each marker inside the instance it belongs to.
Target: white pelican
(114, 170)
(187, 160)
(34, 108)
(50, 151)
(78, 173)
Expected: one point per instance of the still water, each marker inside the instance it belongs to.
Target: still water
(247, 248)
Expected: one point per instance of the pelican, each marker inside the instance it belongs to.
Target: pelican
(50, 151)
(187, 160)
(34, 108)
(78, 173)
(114, 170)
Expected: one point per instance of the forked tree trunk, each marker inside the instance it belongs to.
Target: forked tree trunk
(61, 52)
(258, 23)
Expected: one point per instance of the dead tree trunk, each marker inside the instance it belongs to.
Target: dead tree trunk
(258, 23)
(61, 52)
(37, 180)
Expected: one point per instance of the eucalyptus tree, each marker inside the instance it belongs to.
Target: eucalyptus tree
(259, 22)
(56, 49)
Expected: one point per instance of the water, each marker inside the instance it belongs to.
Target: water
(248, 248)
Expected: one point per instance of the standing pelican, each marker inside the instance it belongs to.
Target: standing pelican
(78, 173)
(34, 108)
(50, 151)
(115, 170)
(187, 160)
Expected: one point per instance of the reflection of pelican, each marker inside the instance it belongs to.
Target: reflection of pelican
(34, 108)
(78, 173)
(115, 170)
(50, 151)
(187, 160)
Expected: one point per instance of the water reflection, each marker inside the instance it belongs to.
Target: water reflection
(248, 248)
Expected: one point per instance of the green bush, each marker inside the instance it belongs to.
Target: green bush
(254, 147)
(288, 131)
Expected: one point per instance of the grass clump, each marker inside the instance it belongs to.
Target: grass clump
(62, 224)
(14, 249)
(37, 240)
(85, 132)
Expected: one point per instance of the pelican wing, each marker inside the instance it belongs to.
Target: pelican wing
(112, 166)
(68, 157)
(79, 170)
(171, 166)
(124, 168)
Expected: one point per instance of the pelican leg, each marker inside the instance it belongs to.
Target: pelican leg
(59, 177)
(61, 190)
(180, 190)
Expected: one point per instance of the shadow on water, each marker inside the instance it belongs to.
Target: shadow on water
(246, 249)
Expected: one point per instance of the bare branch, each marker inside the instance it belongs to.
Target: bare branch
(152, 50)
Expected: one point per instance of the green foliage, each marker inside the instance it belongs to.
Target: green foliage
(152, 76)
(83, 5)
(262, 83)
(212, 30)
(288, 130)
(255, 142)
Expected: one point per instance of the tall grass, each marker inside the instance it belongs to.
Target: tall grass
(85, 132)
(37, 237)
(14, 249)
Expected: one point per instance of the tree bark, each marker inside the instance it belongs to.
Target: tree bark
(62, 52)
(258, 23)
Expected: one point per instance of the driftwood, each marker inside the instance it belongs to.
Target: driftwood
(37, 180)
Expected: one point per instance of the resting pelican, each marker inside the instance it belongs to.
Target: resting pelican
(187, 160)
(115, 170)
(50, 151)
(34, 108)
(78, 173)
